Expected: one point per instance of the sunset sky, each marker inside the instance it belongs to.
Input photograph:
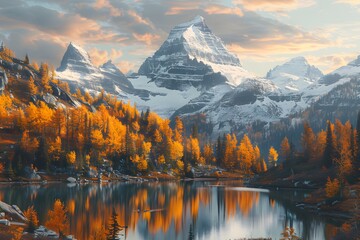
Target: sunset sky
(263, 33)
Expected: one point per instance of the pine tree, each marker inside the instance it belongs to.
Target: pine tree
(114, 227)
(330, 150)
(26, 61)
(219, 155)
(191, 233)
(358, 136)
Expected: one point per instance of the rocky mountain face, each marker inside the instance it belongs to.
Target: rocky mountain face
(193, 74)
(193, 56)
(77, 69)
(294, 75)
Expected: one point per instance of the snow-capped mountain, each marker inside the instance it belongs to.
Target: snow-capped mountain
(193, 73)
(193, 56)
(77, 69)
(294, 75)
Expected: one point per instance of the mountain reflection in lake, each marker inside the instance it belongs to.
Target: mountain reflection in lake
(169, 210)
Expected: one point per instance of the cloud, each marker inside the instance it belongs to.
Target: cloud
(330, 63)
(105, 4)
(219, 9)
(126, 66)
(147, 38)
(99, 57)
(274, 5)
(175, 8)
(40, 48)
(54, 23)
(351, 2)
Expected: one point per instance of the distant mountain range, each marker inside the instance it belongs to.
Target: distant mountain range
(194, 73)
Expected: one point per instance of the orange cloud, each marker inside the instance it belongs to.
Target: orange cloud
(126, 66)
(351, 2)
(274, 5)
(331, 62)
(183, 6)
(100, 4)
(99, 57)
(138, 18)
(219, 9)
(147, 38)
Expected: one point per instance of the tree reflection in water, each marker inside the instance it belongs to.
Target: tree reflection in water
(170, 210)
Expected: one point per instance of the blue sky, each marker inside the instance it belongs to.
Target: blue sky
(262, 33)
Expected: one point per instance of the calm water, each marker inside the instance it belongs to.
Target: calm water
(214, 210)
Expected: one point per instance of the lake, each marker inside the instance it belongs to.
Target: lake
(174, 210)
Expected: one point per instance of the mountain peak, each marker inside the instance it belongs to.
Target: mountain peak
(194, 49)
(298, 67)
(198, 20)
(298, 60)
(294, 75)
(110, 67)
(76, 58)
(355, 62)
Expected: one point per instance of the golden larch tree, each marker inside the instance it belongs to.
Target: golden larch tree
(273, 157)
(57, 218)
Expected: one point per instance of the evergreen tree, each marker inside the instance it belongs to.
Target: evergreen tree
(219, 155)
(26, 61)
(114, 227)
(358, 136)
(191, 233)
(195, 131)
(330, 150)
(42, 155)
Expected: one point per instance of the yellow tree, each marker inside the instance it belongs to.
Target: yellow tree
(230, 151)
(58, 121)
(97, 141)
(44, 72)
(320, 144)
(57, 218)
(285, 149)
(71, 157)
(194, 149)
(28, 144)
(33, 221)
(179, 128)
(5, 105)
(273, 157)
(55, 149)
(209, 154)
(245, 154)
(308, 142)
(32, 87)
(176, 151)
(344, 161)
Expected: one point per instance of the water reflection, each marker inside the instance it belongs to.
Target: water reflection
(172, 210)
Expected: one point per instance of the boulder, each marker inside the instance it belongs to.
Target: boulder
(71, 180)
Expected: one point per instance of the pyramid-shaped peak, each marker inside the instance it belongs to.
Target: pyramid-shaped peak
(77, 50)
(74, 57)
(298, 67)
(197, 21)
(299, 59)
